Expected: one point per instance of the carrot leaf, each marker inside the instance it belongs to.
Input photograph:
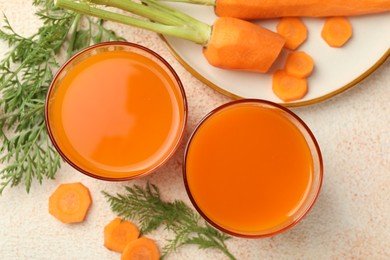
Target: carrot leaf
(26, 71)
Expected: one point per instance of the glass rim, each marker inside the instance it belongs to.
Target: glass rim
(169, 69)
(317, 152)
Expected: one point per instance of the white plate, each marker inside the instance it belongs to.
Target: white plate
(336, 69)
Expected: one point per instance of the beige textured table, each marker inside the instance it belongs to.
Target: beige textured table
(351, 219)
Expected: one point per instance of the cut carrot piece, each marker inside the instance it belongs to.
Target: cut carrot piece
(142, 248)
(241, 45)
(293, 30)
(70, 202)
(299, 64)
(336, 31)
(287, 87)
(118, 233)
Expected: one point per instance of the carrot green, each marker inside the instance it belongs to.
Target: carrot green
(25, 75)
(163, 19)
(144, 205)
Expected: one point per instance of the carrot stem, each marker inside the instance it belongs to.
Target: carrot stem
(72, 34)
(165, 21)
(141, 10)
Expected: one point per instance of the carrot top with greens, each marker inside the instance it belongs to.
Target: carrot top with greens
(163, 19)
(229, 43)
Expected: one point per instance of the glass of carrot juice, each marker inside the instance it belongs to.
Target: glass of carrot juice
(252, 168)
(116, 111)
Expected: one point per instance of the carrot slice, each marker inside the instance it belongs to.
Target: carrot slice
(142, 248)
(336, 31)
(287, 87)
(118, 233)
(242, 45)
(70, 202)
(299, 64)
(293, 30)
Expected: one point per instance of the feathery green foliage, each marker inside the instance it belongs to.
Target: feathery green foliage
(145, 206)
(26, 72)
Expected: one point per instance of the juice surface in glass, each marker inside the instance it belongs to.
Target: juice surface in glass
(248, 169)
(116, 114)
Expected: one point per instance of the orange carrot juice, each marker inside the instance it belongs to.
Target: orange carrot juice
(116, 111)
(249, 169)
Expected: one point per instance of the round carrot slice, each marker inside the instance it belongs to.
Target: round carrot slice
(299, 64)
(293, 30)
(118, 233)
(336, 31)
(287, 87)
(142, 248)
(70, 202)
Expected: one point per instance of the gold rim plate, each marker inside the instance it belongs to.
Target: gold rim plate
(336, 69)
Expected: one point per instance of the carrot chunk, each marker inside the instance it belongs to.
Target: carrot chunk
(118, 233)
(336, 31)
(293, 30)
(287, 87)
(70, 202)
(142, 248)
(299, 64)
(242, 45)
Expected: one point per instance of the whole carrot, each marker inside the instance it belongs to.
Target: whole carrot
(261, 9)
(229, 43)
